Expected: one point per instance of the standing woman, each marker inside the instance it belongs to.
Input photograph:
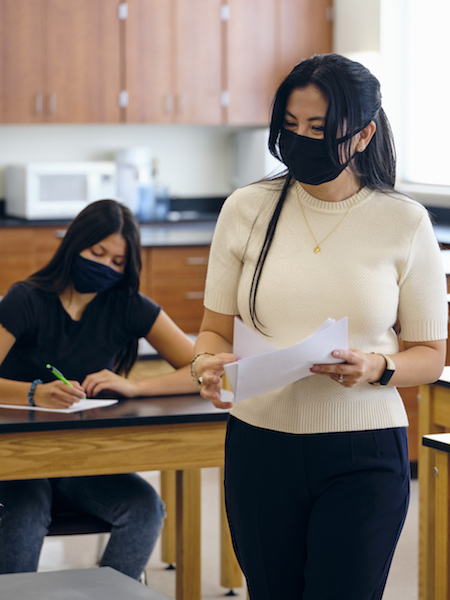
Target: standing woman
(317, 472)
(83, 313)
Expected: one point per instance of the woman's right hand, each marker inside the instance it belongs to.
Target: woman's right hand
(211, 369)
(57, 394)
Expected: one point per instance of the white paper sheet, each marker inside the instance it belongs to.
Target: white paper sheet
(85, 404)
(262, 367)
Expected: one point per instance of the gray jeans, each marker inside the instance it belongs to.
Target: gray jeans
(127, 501)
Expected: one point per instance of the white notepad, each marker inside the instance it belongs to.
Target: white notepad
(85, 404)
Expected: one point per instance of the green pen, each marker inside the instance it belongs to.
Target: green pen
(58, 374)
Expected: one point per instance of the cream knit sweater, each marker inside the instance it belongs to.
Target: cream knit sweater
(381, 263)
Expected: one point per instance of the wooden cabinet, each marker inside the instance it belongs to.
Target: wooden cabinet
(175, 279)
(148, 40)
(172, 61)
(22, 49)
(83, 61)
(59, 61)
(169, 61)
(24, 250)
(172, 276)
(16, 259)
(264, 40)
(305, 28)
(410, 399)
(250, 61)
(219, 61)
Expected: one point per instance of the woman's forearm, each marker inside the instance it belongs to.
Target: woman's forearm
(14, 392)
(166, 384)
(209, 341)
(419, 364)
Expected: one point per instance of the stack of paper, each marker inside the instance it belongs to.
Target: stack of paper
(262, 367)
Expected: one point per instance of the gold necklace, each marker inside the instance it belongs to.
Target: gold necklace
(317, 249)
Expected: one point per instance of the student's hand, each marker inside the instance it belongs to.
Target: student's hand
(107, 380)
(210, 369)
(58, 394)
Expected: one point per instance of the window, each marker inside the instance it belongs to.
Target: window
(427, 93)
(415, 46)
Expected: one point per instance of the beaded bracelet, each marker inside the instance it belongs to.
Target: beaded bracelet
(193, 361)
(31, 392)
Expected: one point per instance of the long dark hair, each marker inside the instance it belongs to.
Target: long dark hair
(354, 100)
(93, 224)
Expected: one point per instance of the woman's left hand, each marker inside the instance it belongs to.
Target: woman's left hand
(358, 367)
(107, 380)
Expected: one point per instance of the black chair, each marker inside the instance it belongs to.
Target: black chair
(76, 523)
(67, 522)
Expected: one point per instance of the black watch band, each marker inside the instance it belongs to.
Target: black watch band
(388, 371)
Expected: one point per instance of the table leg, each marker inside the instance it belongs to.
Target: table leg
(188, 546)
(426, 497)
(441, 552)
(230, 571)
(168, 534)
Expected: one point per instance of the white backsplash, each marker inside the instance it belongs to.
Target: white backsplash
(193, 160)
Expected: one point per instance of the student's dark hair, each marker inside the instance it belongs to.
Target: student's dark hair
(354, 100)
(93, 224)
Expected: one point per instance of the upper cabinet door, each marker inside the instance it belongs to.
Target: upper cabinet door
(149, 52)
(83, 61)
(198, 62)
(305, 29)
(22, 61)
(173, 61)
(250, 60)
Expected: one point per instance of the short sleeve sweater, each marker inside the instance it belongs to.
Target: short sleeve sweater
(380, 263)
(45, 333)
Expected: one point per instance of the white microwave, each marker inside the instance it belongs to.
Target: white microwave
(60, 190)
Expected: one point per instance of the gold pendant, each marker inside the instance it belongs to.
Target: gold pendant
(317, 249)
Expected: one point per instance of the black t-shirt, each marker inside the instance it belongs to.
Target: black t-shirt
(45, 333)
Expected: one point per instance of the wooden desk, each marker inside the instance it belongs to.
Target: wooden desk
(434, 417)
(179, 433)
(440, 443)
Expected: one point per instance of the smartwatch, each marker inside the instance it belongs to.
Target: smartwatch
(388, 371)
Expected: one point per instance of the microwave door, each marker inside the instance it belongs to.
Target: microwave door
(61, 194)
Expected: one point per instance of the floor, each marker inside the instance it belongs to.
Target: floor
(81, 551)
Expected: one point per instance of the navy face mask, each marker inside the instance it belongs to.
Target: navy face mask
(89, 276)
(308, 159)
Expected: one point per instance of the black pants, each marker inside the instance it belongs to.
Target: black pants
(315, 517)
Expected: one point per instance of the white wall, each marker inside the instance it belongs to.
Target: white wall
(366, 31)
(356, 26)
(193, 161)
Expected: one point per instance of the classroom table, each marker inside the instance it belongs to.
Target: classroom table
(440, 443)
(181, 434)
(434, 417)
(102, 583)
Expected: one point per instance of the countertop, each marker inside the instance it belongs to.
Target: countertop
(183, 232)
(188, 228)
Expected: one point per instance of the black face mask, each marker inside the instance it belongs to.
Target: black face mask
(308, 159)
(89, 276)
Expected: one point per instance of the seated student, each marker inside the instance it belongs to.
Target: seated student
(83, 314)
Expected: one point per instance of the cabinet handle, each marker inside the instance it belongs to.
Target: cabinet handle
(196, 260)
(194, 295)
(60, 233)
(52, 103)
(170, 104)
(39, 104)
(181, 103)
